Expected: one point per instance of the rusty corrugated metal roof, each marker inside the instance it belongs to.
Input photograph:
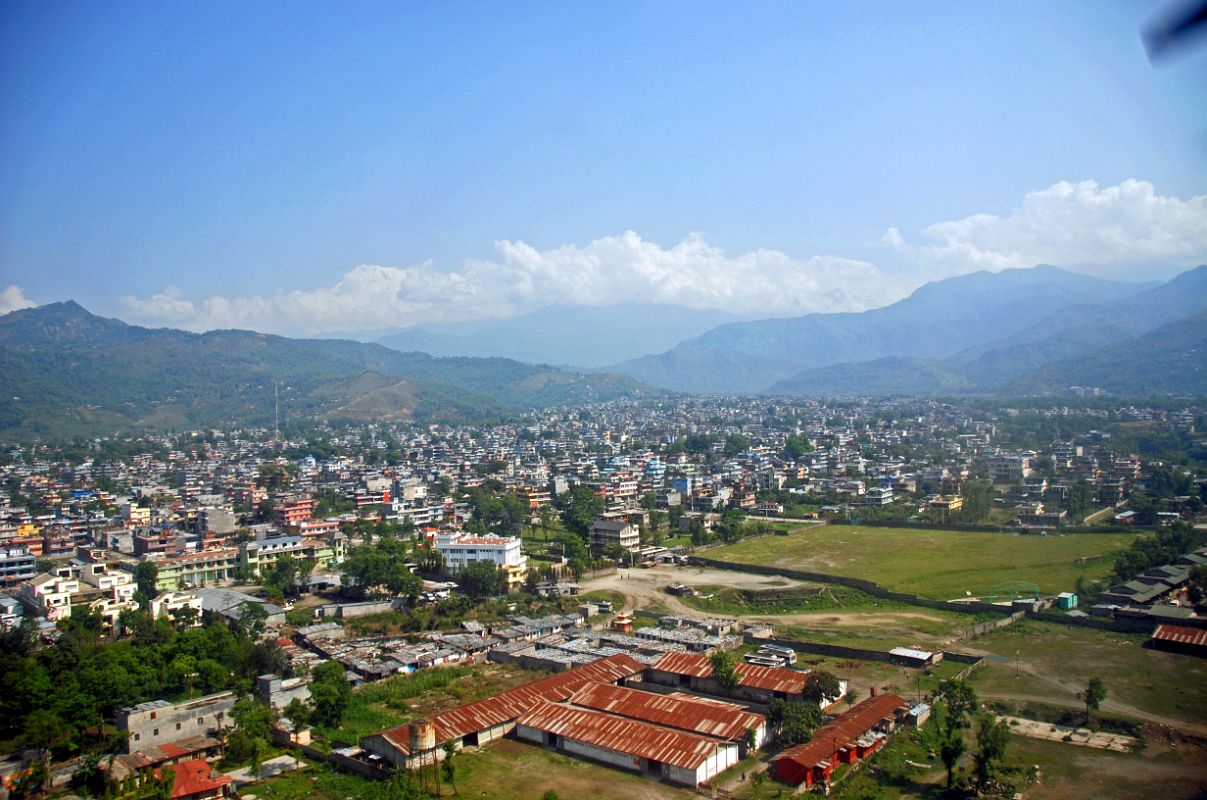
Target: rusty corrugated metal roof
(772, 679)
(1181, 635)
(722, 720)
(634, 738)
(509, 705)
(843, 730)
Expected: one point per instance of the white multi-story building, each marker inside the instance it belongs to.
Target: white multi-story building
(50, 595)
(459, 549)
(169, 604)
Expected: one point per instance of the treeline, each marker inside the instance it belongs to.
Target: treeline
(62, 697)
(1165, 547)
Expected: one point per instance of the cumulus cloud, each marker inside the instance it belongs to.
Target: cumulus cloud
(12, 298)
(1113, 230)
(520, 278)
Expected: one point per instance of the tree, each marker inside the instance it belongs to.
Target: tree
(329, 694)
(794, 721)
(252, 619)
(298, 714)
(582, 508)
(736, 443)
(146, 573)
(796, 446)
(959, 699)
(723, 669)
(992, 739)
(1093, 695)
(447, 768)
(959, 702)
(821, 686)
(481, 579)
(951, 747)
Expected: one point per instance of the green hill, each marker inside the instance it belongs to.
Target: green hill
(65, 371)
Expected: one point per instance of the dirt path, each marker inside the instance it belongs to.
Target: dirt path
(646, 587)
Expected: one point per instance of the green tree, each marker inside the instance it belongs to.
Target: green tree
(481, 579)
(794, 721)
(821, 686)
(796, 446)
(582, 508)
(951, 748)
(959, 703)
(448, 767)
(329, 694)
(146, 573)
(1093, 695)
(992, 739)
(298, 714)
(252, 619)
(723, 669)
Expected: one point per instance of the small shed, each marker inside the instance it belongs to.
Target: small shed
(1066, 601)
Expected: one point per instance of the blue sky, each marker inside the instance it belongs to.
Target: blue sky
(306, 167)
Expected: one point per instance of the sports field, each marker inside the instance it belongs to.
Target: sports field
(933, 563)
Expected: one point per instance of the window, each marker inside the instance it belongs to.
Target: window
(155, 732)
(177, 726)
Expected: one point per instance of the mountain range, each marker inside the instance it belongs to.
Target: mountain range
(65, 371)
(584, 336)
(973, 333)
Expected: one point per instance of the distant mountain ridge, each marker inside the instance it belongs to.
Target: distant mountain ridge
(937, 321)
(1060, 350)
(64, 370)
(582, 336)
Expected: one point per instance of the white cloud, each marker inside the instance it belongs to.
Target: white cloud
(1111, 231)
(613, 269)
(12, 298)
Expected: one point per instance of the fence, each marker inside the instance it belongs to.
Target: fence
(872, 588)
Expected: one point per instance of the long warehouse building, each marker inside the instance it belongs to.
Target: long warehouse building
(679, 757)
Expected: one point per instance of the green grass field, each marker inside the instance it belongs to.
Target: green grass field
(932, 563)
(1056, 661)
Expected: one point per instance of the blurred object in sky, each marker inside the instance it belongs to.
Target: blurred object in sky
(1178, 29)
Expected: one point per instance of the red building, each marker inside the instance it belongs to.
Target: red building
(844, 740)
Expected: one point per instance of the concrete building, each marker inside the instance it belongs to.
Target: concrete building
(606, 532)
(459, 549)
(49, 596)
(171, 604)
(277, 692)
(17, 564)
(160, 722)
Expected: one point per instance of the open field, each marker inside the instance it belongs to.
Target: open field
(1065, 772)
(1056, 661)
(504, 770)
(932, 563)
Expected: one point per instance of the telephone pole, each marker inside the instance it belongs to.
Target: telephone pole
(276, 413)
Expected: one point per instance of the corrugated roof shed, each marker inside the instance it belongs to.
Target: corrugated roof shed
(842, 731)
(772, 679)
(511, 704)
(722, 720)
(1196, 637)
(678, 748)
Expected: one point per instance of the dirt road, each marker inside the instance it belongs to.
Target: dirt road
(646, 587)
